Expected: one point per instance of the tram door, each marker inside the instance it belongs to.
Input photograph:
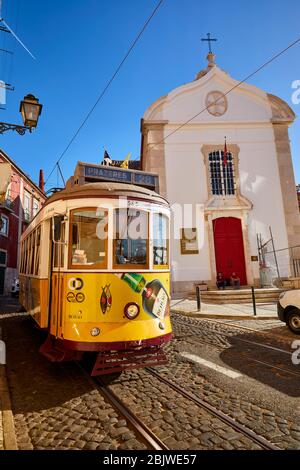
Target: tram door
(57, 277)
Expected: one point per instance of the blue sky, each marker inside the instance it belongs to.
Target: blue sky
(78, 45)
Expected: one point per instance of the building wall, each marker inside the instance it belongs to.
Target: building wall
(186, 182)
(248, 124)
(12, 207)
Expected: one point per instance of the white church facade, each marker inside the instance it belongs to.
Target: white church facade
(241, 197)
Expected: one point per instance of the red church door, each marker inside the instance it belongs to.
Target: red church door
(229, 247)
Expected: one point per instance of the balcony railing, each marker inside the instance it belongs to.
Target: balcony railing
(7, 204)
(27, 216)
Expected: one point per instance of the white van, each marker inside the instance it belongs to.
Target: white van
(288, 309)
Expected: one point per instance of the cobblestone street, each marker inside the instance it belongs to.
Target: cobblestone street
(54, 406)
(58, 407)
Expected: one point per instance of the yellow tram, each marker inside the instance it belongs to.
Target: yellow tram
(95, 273)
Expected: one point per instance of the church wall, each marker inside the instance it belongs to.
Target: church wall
(264, 167)
(186, 182)
(188, 101)
(288, 184)
(260, 183)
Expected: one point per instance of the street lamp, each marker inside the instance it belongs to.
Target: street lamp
(30, 108)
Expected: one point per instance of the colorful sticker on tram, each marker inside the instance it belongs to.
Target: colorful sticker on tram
(75, 283)
(154, 296)
(106, 299)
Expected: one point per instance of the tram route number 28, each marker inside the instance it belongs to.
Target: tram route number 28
(72, 297)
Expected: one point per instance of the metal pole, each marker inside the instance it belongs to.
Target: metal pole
(258, 249)
(198, 298)
(253, 301)
(275, 256)
(263, 256)
(292, 262)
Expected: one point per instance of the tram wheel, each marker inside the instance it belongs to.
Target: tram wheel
(293, 321)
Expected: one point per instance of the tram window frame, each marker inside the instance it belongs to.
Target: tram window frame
(28, 254)
(161, 266)
(24, 257)
(115, 240)
(86, 266)
(33, 252)
(38, 235)
(58, 227)
(21, 256)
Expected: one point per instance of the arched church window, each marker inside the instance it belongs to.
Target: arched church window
(222, 178)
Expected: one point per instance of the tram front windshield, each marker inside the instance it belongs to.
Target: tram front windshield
(89, 242)
(87, 247)
(131, 234)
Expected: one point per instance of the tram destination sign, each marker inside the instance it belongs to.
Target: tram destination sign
(140, 178)
(107, 174)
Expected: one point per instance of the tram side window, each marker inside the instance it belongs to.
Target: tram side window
(24, 256)
(33, 252)
(88, 238)
(131, 235)
(28, 254)
(59, 242)
(160, 240)
(37, 252)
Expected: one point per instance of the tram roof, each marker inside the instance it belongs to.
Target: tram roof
(107, 189)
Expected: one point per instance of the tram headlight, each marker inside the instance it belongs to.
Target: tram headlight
(131, 310)
(95, 331)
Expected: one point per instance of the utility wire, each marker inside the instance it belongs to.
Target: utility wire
(107, 85)
(227, 93)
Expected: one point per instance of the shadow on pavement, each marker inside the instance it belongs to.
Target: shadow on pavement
(9, 304)
(255, 361)
(35, 383)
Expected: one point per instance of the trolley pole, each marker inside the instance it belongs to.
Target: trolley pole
(198, 298)
(253, 301)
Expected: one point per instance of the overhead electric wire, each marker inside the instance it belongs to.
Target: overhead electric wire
(107, 85)
(11, 64)
(227, 93)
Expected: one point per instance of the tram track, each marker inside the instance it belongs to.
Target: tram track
(254, 343)
(152, 441)
(252, 330)
(244, 329)
(240, 327)
(231, 335)
(146, 435)
(256, 438)
(268, 364)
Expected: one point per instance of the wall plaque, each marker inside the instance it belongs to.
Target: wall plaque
(189, 241)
